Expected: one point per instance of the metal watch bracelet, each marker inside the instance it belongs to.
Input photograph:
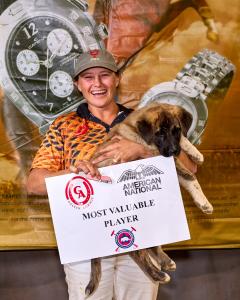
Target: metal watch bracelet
(207, 71)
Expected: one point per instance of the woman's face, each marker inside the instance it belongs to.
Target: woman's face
(98, 86)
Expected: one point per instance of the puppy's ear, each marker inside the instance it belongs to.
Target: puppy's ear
(145, 130)
(185, 120)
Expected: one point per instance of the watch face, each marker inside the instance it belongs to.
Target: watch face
(39, 58)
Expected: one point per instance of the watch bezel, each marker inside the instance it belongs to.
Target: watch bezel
(199, 105)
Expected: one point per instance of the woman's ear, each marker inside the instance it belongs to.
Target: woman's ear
(75, 82)
(118, 79)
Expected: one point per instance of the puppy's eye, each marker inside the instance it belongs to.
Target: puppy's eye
(176, 130)
(159, 134)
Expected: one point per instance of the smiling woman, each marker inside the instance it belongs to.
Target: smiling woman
(68, 147)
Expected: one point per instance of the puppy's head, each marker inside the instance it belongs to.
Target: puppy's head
(162, 125)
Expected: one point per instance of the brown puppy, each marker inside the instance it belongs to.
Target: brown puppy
(162, 128)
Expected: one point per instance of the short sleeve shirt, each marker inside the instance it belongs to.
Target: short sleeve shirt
(73, 137)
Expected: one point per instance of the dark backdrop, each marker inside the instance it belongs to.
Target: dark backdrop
(200, 275)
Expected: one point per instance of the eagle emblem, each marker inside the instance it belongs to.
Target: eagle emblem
(139, 173)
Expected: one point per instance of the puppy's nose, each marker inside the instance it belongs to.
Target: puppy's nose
(167, 153)
(175, 151)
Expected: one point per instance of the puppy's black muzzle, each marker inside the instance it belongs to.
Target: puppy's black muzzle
(168, 145)
(174, 150)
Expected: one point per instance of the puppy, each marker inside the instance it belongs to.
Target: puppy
(163, 129)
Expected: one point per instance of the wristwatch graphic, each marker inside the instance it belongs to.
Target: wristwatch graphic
(40, 39)
(207, 73)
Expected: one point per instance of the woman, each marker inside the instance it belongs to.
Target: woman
(68, 146)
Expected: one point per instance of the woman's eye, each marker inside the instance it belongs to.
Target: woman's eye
(105, 74)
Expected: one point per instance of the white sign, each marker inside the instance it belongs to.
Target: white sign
(141, 208)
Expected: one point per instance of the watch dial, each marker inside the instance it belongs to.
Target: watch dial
(59, 41)
(61, 84)
(39, 57)
(27, 62)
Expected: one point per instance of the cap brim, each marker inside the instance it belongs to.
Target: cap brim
(89, 65)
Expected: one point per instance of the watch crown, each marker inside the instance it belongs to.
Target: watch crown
(202, 97)
(102, 31)
(198, 142)
(82, 4)
(214, 81)
(208, 90)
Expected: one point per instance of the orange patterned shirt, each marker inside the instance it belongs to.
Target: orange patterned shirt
(73, 137)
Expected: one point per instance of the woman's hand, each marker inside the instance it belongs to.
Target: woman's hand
(187, 162)
(122, 150)
(86, 167)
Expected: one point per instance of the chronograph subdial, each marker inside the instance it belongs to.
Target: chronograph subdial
(59, 42)
(61, 84)
(27, 62)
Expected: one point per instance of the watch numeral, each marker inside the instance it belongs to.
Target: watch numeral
(50, 106)
(31, 30)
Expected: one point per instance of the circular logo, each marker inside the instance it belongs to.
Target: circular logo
(124, 238)
(79, 191)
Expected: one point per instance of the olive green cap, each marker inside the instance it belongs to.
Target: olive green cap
(94, 58)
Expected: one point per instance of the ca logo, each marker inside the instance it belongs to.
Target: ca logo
(79, 191)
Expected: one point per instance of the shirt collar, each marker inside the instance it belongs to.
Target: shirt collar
(83, 112)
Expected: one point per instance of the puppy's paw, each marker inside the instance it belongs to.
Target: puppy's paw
(164, 278)
(200, 158)
(89, 290)
(207, 208)
(169, 266)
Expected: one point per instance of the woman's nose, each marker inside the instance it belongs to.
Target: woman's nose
(97, 81)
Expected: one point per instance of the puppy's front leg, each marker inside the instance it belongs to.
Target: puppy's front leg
(191, 150)
(194, 188)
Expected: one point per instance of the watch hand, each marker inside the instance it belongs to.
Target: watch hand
(56, 36)
(54, 54)
(26, 59)
(46, 89)
(40, 62)
(59, 81)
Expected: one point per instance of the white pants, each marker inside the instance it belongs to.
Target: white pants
(121, 279)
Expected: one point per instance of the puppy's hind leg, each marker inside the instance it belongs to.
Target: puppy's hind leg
(162, 258)
(143, 260)
(95, 276)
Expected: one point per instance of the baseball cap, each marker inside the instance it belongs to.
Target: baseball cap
(94, 58)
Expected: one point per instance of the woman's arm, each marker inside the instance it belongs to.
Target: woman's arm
(36, 180)
(187, 162)
(124, 150)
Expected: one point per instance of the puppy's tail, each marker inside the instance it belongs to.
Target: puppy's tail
(94, 277)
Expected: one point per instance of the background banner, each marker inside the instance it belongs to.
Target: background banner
(152, 41)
